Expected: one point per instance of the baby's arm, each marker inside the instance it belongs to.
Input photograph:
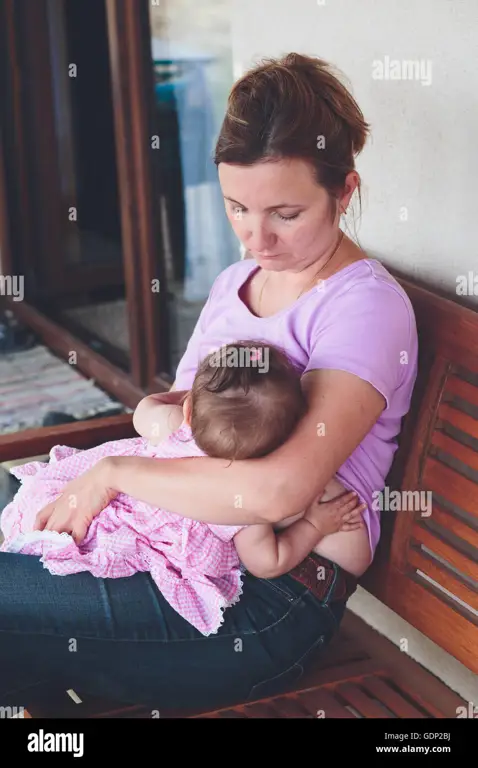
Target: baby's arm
(158, 416)
(267, 554)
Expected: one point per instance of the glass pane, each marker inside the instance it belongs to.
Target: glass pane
(90, 299)
(193, 70)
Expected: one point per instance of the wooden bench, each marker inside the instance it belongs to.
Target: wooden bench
(425, 569)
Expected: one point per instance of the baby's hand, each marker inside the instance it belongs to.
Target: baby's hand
(340, 514)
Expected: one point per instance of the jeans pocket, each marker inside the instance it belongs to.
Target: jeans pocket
(274, 686)
(287, 679)
(286, 587)
(337, 610)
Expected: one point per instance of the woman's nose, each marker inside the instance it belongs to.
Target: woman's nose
(259, 239)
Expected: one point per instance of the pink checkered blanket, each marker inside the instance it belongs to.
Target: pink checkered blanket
(195, 565)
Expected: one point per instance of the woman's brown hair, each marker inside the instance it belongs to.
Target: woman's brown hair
(294, 107)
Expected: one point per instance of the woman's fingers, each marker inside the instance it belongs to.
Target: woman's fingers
(43, 517)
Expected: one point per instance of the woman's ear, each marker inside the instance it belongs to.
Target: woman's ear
(351, 183)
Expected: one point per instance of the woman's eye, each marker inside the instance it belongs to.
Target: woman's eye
(238, 213)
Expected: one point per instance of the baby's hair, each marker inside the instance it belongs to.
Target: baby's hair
(246, 399)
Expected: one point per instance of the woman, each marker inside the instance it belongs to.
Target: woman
(285, 158)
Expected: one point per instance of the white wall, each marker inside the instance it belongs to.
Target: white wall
(420, 168)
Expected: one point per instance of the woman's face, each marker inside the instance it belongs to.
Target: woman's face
(279, 213)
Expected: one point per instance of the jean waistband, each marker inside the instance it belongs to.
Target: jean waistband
(325, 579)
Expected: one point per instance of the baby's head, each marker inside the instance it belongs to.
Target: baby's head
(246, 399)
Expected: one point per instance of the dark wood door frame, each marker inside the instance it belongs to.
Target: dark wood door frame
(133, 89)
(5, 247)
(14, 130)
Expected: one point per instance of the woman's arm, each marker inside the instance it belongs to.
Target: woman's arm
(342, 408)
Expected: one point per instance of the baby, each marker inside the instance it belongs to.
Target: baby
(232, 412)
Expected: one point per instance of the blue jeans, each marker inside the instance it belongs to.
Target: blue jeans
(120, 639)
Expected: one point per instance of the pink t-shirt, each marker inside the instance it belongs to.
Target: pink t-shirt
(358, 320)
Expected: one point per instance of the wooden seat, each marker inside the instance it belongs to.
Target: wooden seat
(361, 675)
(426, 565)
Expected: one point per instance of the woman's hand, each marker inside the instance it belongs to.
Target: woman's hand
(82, 499)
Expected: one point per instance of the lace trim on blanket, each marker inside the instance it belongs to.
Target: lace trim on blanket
(17, 544)
(224, 607)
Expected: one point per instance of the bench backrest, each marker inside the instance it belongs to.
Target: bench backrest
(426, 568)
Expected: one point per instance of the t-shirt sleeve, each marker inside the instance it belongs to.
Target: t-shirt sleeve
(367, 332)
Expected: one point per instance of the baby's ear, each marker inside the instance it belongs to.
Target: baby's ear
(187, 409)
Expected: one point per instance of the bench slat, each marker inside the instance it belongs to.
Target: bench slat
(446, 578)
(359, 700)
(396, 703)
(461, 562)
(458, 419)
(450, 485)
(457, 526)
(463, 389)
(452, 447)
(323, 701)
(435, 616)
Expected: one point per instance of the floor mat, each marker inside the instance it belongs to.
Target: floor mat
(35, 382)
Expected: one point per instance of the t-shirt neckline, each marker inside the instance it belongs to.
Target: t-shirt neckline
(300, 300)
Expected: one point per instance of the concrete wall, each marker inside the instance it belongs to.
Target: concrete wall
(419, 169)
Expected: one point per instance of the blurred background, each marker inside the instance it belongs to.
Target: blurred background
(115, 218)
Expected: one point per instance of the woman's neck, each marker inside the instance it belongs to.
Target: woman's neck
(326, 265)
